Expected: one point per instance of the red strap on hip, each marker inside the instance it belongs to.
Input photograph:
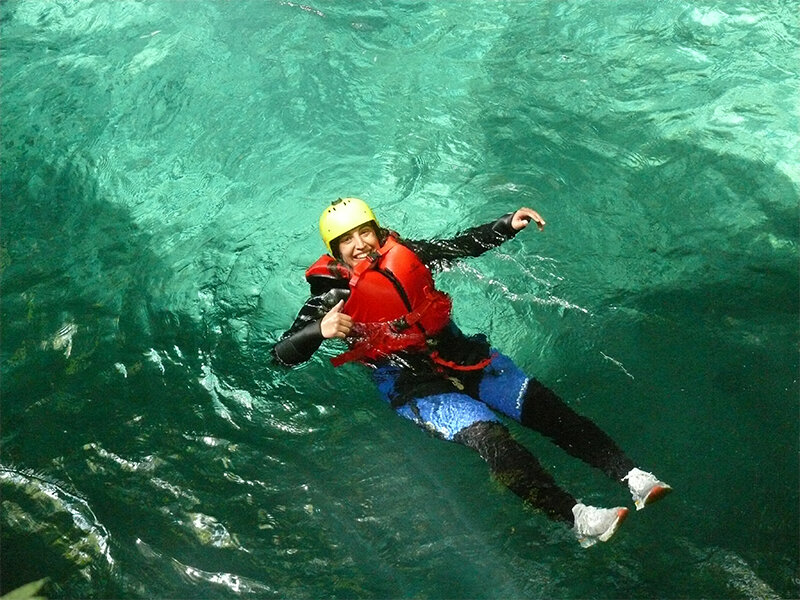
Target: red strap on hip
(481, 364)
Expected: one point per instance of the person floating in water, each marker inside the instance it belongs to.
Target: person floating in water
(376, 291)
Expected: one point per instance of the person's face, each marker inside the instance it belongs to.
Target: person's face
(356, 244)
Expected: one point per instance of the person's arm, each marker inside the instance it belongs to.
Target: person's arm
(319, 319)
(474, 241)
(302, 339)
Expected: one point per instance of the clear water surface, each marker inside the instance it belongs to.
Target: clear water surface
(163, 167)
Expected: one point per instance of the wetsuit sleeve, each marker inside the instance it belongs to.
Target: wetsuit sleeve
(304, 337)
(437, 253)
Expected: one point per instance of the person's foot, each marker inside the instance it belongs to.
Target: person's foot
(594, 524)
(645, 488)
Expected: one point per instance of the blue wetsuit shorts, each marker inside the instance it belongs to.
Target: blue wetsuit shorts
(461, 401)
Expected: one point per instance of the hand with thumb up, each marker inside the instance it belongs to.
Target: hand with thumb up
(336, 324)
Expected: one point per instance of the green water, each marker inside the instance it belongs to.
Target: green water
(163, 167)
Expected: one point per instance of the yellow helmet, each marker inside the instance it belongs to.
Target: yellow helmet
(341, 216)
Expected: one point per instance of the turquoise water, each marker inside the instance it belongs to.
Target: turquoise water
(163, 167)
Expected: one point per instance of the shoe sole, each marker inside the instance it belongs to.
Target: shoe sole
(656, 493)
(622, 514)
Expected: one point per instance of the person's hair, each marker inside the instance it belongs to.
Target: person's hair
(381, 233)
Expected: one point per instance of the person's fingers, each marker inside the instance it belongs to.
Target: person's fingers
(342, 332)
(335, 323)
(337, 308)
(344, 324)
(524, 216)
(537, 218)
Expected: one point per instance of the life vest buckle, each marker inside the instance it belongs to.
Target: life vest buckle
(400, 325)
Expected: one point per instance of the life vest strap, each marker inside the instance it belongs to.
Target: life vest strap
(380, 340)
(481, 364)
(346, 357)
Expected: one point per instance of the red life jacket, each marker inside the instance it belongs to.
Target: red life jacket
(393, 301)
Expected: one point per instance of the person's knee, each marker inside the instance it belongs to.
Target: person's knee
(482, 434)
(541, 406)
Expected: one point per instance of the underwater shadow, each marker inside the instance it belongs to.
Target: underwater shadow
(715, 332)
(85, 380)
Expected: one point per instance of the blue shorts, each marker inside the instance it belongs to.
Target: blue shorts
(500, 386)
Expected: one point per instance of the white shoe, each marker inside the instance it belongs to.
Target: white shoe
(594, 524)
(645, 488)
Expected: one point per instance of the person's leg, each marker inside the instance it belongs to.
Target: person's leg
(457, 417)
(579, 436)
(516, 468)
(505, 387)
